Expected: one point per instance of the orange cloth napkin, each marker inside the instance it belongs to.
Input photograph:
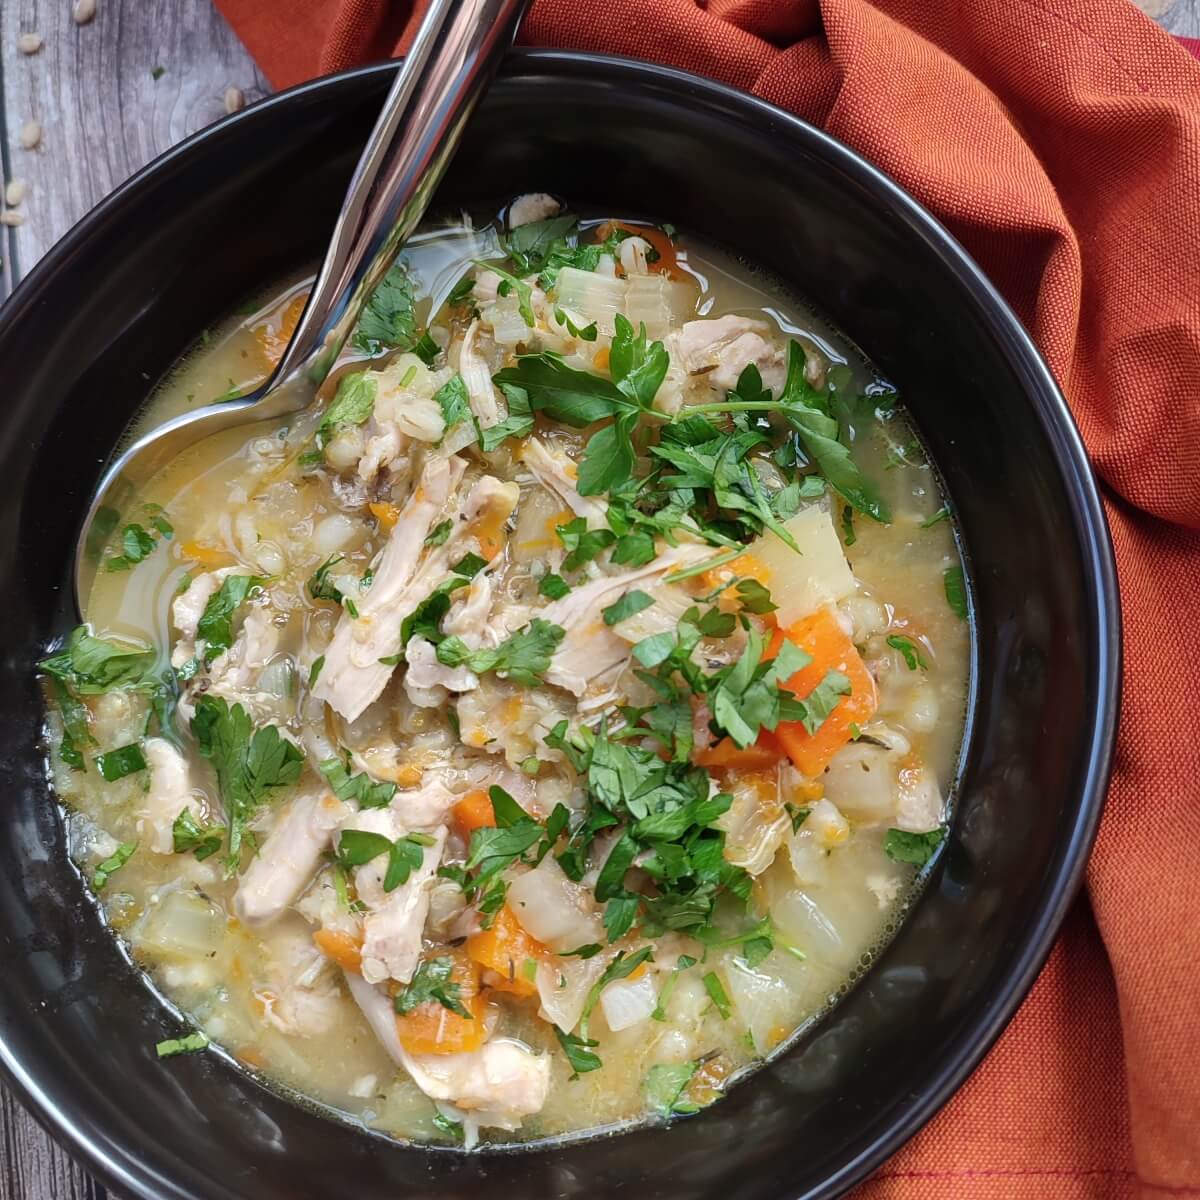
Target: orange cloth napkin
(1060, 141)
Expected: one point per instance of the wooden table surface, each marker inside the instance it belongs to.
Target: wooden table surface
(109, 96)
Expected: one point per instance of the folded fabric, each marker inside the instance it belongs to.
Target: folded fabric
(1060, 141)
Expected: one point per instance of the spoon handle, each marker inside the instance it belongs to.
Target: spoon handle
(456, 51)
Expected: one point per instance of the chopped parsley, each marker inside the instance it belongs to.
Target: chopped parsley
(665, 1085)
(553, 587)
(523, 656)
(629, 605)
(116, 764)
(250, 763)
(909, 651)
(432, 983)
(955, 585)
(716, 993)
(215, 626)
(184, 1045)
(111, 865)
(915, 848)
(188, 834)
(360, 788)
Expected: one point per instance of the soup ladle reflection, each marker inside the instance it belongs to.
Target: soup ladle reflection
(456, 52)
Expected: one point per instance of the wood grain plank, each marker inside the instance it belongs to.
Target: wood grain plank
(103, 113)
(32, 1167)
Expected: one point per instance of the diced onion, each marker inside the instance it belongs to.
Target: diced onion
(861, 781)
(659, 303)
(819, 574)
(182, 925)
(563, 987)
(553, 909)
(627, 1002)
(504, 316)
(597, 297)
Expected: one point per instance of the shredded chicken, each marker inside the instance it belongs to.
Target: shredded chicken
(169, 794)
(353, 676)
(557, 473)
(299, 996)
(721, 348)
(289, 858)
(590, 651)
(477, 378)
(395, 920)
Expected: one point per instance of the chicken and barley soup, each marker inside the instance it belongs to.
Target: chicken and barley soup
(535, 736)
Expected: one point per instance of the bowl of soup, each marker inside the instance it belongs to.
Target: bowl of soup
(641, 728)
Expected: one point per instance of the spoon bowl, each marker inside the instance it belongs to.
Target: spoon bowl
(457, 50)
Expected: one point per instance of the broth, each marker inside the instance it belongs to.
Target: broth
(827, 825)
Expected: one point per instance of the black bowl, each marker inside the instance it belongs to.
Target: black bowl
(111, 308)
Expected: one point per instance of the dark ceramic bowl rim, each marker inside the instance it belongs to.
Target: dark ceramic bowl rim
(117, 1166)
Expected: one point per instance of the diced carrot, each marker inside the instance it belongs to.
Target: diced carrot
(488, 527)
(273, 334)
(474, 811)
(431, 1028)
(409, 775)
(342, 947)
(725, 753)
(252, 1057)
(745, 566)
(206, 556)
(386, 514)
(666, 263)
(600, 359)
(832, 650)
(505, 948)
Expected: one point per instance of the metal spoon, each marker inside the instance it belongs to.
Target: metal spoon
(456, 52)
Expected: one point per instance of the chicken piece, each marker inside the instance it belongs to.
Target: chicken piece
(170, 793)
(426, 681)
(188, 607)
(395, 920)
(533, 206)
(473, 367)
(299, 996)
(426, 806)
(289, 857)
(353, 676)
(497, 1084)
(404, 392)
(237, 669)
(591, 651)
(557, 473)
(723, 347)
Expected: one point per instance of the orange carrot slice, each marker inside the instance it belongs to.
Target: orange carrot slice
(832, 650)
(344, 948)
(431, 1028)
(473, 811)
(505, 948)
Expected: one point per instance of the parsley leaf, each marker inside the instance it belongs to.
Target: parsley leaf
(524, 656)
(188, 834)
(360, 788)
(579, 1052)
(629, 605)
(916, 848)
(111, 865)
(90, 665)
(530, 244)
(215, 626)
(955, 585)
(432, 982)
(452, 399)
(554, 587)
(249, 763)
(184, 1045)
(352, 404)
(581, 543)
(665, 1083)
(388, 318)
(116, 764)
(716, 993)
(910, 651)
(638, 367)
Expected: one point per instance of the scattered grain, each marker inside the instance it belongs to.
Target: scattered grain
(15, 192)
(8, 217)
(234, 100)
(83, 11)
(29, 43)
(30, 136)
